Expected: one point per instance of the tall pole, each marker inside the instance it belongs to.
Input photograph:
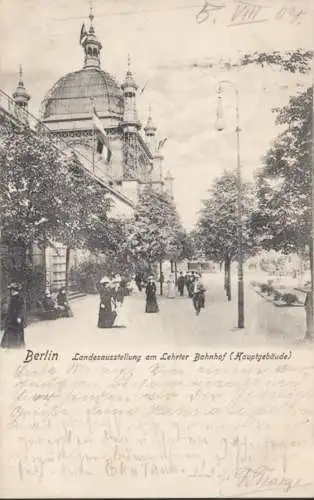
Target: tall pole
(239, 222)
(310, 312)
(94, 135)
(239, 203)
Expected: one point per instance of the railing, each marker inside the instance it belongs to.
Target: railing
(26, 118)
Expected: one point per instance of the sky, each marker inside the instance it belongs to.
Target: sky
(179, 47)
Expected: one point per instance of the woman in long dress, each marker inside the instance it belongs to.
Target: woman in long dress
(171, 287)
(107, 307)
(151, 299)
(14, 324)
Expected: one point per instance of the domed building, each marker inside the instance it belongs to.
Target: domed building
(72, 108)
(68, 109)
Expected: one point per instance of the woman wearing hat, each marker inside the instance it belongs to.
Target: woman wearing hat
(14, 324)
(107, 307)
(151, 299)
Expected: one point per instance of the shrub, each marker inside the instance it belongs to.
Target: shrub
(289, 298)
(266, 288)
(277, 295)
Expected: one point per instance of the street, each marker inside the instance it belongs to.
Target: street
(176, 324)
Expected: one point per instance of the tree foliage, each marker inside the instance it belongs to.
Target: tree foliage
(45, 195)
(155, 232)
(218, 221)
(283, 217)
(293, 61)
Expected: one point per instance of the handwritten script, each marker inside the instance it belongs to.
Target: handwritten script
(247, 12)
(237, 428)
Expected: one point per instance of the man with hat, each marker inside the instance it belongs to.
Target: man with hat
(14, 324)
(198, 294)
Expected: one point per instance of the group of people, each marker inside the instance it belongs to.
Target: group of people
(112, 293)
(191, 281)
(14, 322)
(48, 308)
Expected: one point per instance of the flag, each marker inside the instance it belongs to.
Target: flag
(83, 33)
(102, 138)
(142, 90)
(161, 143)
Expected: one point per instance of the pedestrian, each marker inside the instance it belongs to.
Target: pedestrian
(138, 281)
(118, 286)
(181, 282)
(151, 299)
(63, 306)
(171, 292)
(198, 295)
(48, 307)
(13, 336)
(107, 307)
(190, 284)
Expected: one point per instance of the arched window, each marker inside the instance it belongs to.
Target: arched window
(95, 52)
(89, 51)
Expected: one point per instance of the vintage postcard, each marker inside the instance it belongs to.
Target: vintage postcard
(157, 249)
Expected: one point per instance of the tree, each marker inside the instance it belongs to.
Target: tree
(218, 222)
(293, 61)
(284, 184)
(45, 195)
(155, 232)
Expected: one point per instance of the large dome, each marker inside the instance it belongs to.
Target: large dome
(71, 96)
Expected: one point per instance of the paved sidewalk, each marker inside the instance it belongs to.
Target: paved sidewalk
(176, 324)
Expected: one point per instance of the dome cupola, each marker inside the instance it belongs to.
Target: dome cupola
(91, 45)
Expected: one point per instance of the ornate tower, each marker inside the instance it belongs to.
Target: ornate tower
(150, 133)
(20, 96)
(130, 126)
(91, 45)
(157, 171)
(130, 122)
(169, 184)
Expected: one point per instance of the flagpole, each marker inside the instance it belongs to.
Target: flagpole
(94, 135)
(94, 145)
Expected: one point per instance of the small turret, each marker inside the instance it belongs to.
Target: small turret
(131, 122)
(90, 44)
(169, 184)
(150, 132)
(20, 96)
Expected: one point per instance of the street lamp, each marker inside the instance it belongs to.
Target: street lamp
(220, 127)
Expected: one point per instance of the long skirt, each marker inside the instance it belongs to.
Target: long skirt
(151, 305)
(13, 337)
(171, 291)
(106, 319)
(121, 314)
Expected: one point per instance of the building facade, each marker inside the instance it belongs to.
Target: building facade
(135, 159)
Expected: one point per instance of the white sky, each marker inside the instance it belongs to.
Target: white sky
(165, 41)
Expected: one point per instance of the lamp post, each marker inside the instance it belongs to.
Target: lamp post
(220, 127)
